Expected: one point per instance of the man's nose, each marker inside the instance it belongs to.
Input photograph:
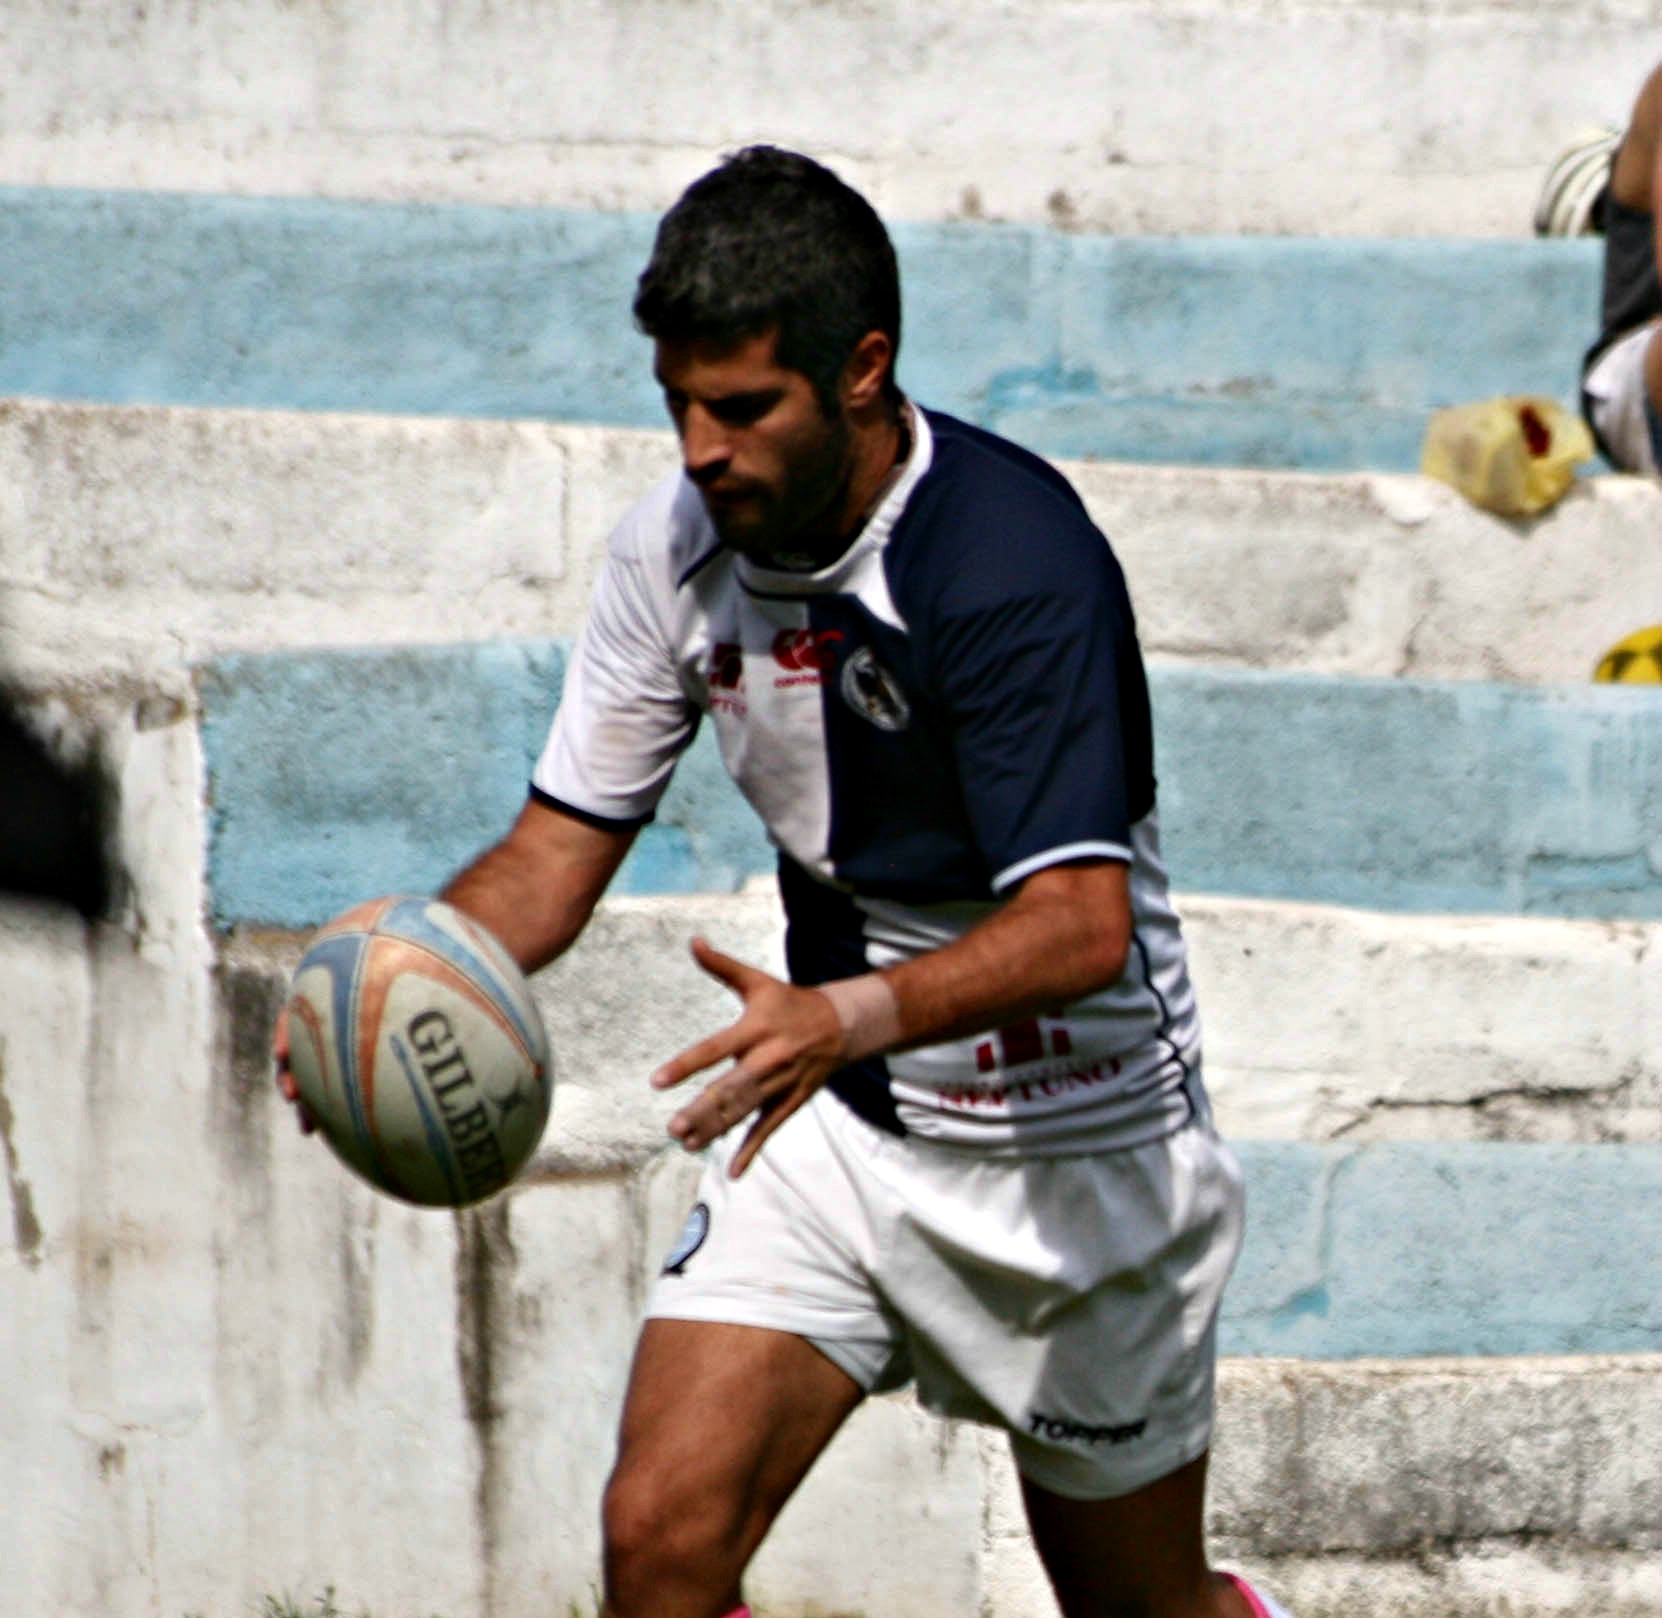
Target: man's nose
(705, 450)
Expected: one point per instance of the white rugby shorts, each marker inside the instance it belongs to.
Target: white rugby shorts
(1621, 407)
(1072, 1301)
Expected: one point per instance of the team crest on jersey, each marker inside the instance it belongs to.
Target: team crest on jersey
(874, 693)
(690, 1240)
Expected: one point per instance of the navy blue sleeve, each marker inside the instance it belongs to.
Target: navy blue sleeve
(1030, 646)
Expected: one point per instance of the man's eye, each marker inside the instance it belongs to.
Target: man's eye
(742, 409)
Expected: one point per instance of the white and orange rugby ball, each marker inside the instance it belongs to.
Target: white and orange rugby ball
(416, 1045)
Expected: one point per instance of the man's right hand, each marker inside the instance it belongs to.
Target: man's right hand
(286, 1087)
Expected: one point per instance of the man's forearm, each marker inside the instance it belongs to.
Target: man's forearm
(1064, 935)
(536, 889)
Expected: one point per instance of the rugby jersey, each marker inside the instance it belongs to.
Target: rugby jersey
(956, 702)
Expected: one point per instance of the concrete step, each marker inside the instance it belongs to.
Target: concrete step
(1400, 1125)
(1428, 1489)
(1150, 123)
(1329, 1026)
(135, 541)
(1325, 354)
(1389, 794)
(1398, 1489)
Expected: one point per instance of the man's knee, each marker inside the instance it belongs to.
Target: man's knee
(660, 1536)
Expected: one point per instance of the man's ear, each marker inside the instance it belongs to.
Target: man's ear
(867, 371)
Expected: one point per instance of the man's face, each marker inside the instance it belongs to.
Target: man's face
(772, 467)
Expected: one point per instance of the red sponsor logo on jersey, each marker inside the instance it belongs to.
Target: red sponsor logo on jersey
(725, 675)
(970, 1096)
(1021, 1042)
(726, 670)
(805, 654)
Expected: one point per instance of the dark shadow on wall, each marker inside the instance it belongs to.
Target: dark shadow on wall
(52, 822)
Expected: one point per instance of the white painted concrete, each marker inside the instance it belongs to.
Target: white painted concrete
(137, 541)
(1322, 1024)
(1327, 1024)
(1378, 574)
(1312, 117)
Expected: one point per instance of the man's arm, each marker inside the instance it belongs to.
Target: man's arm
(537, 888)
(1065, 933)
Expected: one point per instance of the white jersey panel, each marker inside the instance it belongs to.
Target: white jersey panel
(762, 689)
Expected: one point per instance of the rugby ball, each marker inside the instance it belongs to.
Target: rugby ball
(415, 1044)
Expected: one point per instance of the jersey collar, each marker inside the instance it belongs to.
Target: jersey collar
(832, 578)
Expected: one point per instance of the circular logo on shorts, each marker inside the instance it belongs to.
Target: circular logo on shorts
(690, 1240)
(873, 693)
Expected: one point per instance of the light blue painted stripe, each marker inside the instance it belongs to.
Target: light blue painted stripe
(1257, 351)
(339, 775)
(334, 776)
(1445, 1248)
(1413, 795)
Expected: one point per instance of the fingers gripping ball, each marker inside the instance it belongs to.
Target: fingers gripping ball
(415, 1044)
(1634, 660)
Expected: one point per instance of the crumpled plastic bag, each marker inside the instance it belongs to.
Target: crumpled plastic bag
(1515, 455)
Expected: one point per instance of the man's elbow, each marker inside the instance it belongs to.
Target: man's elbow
(1106, 953)
(1084, 913)
(1108, 926)
(1098, 952)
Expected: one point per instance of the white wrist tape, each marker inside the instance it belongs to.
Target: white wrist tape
(868, 1011)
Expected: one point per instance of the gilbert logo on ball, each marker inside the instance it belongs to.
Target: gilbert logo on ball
(415, 1043)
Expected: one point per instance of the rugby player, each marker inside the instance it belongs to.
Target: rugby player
(967, 1145)
(1622, 373)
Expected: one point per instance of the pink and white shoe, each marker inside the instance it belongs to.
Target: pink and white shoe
(1262, 1606)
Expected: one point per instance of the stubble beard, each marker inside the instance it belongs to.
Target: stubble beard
(797, 526)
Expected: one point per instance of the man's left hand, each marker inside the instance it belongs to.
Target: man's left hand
(785, 1044)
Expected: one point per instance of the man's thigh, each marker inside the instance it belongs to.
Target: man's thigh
(720, 1424)
(1140, 1553)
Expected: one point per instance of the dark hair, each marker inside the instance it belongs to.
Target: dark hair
(772, 239)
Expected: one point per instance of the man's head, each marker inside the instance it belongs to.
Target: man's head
(772, 241)
(774, 301)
